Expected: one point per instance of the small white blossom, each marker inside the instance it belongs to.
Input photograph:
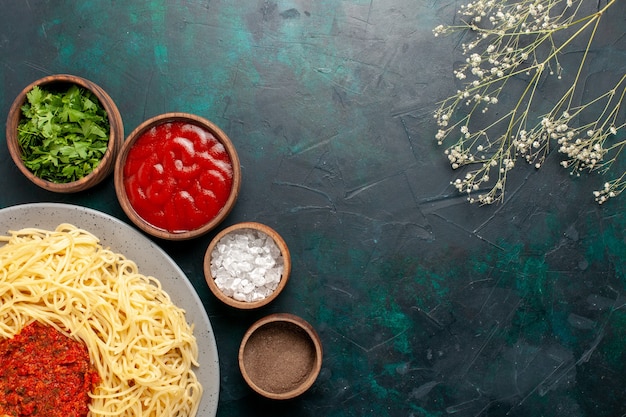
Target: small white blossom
(508, 43)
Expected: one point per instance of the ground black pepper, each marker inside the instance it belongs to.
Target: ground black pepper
(278, 357)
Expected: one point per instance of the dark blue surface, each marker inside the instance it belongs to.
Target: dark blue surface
(426, 306)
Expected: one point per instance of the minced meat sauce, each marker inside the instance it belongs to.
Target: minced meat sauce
(45, 373)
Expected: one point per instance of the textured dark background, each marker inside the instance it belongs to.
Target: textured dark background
(426, 306)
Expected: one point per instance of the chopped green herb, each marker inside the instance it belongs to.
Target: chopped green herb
(63, 135)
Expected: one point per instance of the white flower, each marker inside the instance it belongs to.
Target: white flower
(506, 45)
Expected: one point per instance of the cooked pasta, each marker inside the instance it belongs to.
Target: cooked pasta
(138, 340)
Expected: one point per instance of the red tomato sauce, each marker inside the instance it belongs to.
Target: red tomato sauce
(45, 373)
(178, 176)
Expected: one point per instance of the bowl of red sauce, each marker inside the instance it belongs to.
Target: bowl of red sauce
(177, 176)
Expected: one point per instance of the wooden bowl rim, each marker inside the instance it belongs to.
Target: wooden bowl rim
(314, 338)
(121, 160)
(116, 133)
(280, 242)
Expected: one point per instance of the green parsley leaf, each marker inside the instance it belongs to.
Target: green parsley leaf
(63, 135)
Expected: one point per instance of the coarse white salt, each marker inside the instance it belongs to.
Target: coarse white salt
(247, 265)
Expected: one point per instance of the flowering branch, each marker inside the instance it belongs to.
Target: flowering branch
(523, 39)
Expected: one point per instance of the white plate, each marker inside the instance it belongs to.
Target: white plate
(150, 259)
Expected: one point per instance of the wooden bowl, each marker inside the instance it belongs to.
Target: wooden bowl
(280, 356)
(209, 217)
(238, 228)
(116, 133)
